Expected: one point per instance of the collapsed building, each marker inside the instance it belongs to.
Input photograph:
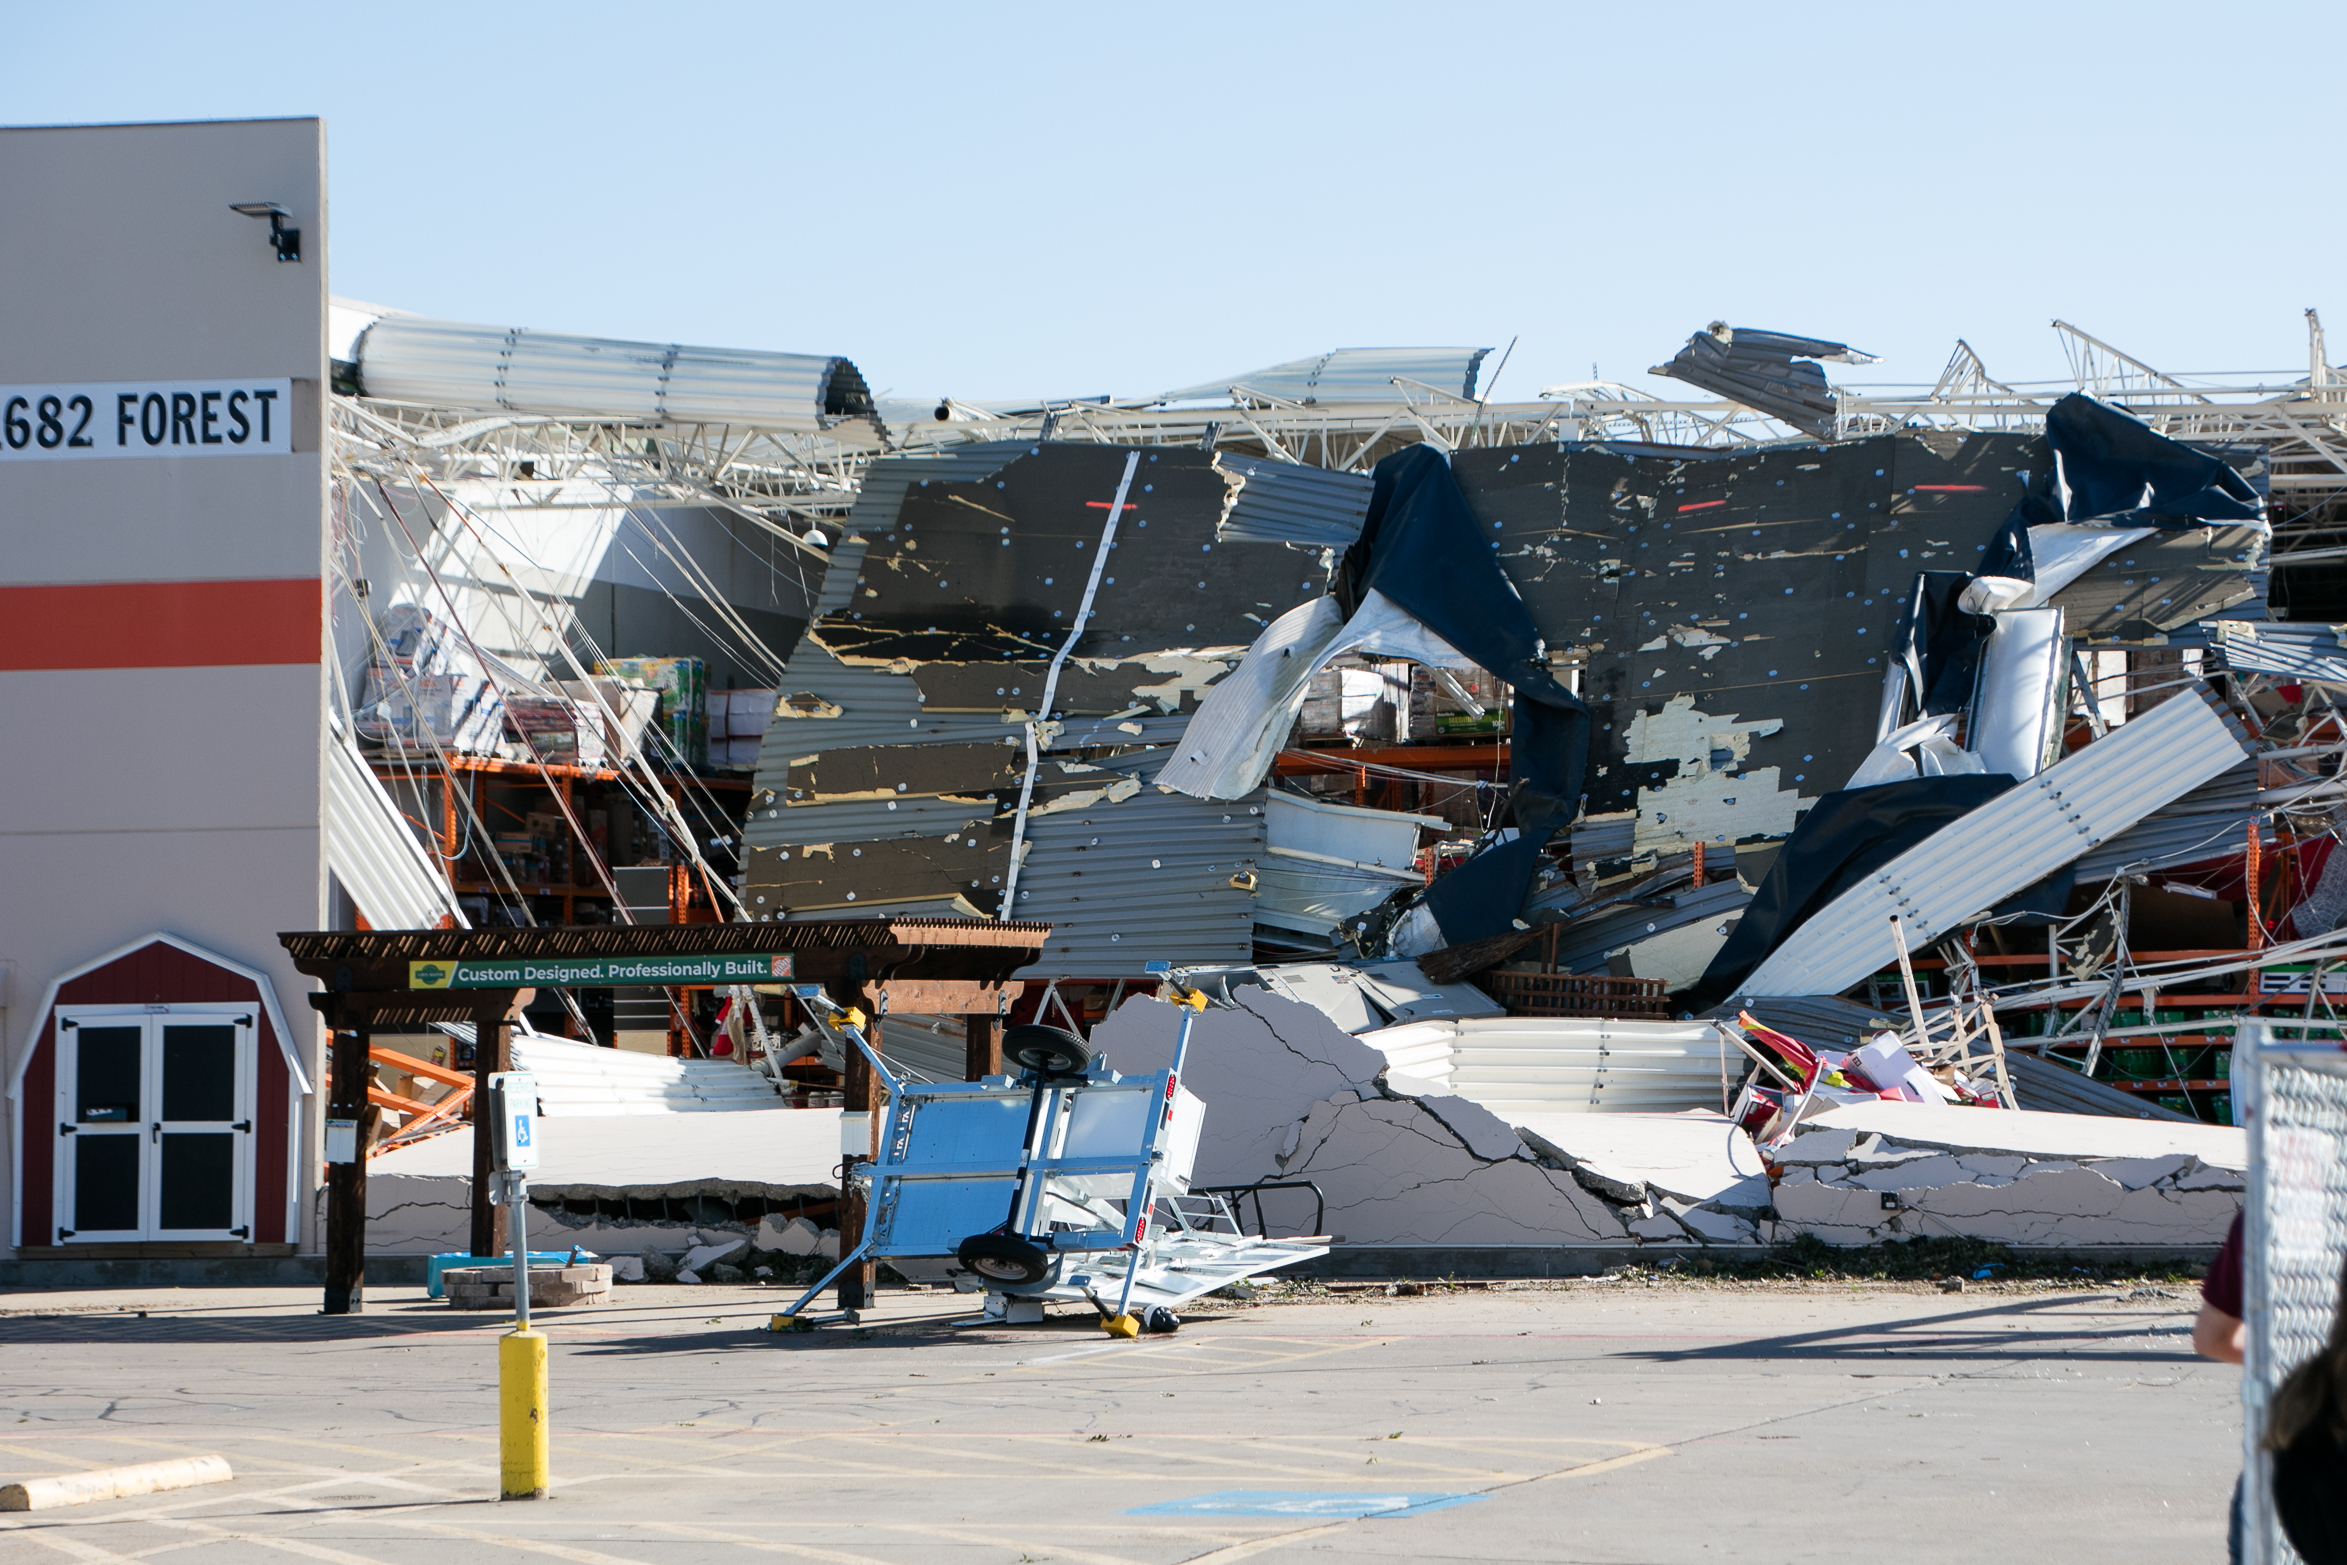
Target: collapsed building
(1553, 775)
(1713, 703)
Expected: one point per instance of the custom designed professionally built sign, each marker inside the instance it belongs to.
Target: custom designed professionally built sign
(102, 419)
(601, 972)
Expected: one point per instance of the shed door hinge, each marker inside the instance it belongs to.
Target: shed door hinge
(69, 1130)
(244, 1125)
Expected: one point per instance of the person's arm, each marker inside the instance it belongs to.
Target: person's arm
(2217, 1335)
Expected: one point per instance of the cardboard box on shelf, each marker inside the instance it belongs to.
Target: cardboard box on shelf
(683, 684)
(747, 712)
(628, 709)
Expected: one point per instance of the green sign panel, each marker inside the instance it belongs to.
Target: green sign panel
(601, 972)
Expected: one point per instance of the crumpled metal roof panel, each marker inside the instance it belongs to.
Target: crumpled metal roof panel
(1350, 375)
(1150, 879)
(2052, 819)
(1285, 502)
(408, 358)
(2294, 651)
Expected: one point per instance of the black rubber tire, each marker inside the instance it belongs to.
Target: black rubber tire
(1160, 1320)
(1004, 1260)
(1047, 1051)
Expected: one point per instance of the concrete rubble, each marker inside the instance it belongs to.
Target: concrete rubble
(551, 1287)
(684, 1184)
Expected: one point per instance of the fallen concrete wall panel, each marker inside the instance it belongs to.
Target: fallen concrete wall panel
(1876, 1172)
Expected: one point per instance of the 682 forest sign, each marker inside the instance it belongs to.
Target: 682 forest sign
(98, 420)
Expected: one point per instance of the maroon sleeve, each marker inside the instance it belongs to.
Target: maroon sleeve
(2222, 1286)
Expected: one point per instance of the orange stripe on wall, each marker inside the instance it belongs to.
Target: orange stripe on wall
(161, 624)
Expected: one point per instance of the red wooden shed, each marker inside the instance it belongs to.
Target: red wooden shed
(159, 1109)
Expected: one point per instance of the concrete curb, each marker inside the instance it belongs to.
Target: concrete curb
(113, 1483)
(1425, 1262)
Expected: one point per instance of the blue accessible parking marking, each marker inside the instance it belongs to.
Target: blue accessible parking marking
(1326, 1505)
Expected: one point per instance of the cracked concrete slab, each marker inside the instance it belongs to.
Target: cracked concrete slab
(2037, 1133)
(1290, 1095)
(1696, 1157)
(2021, 1178)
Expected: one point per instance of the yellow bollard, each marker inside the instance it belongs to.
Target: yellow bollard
(521, 1415)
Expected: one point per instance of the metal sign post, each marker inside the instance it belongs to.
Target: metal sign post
(521, 1353)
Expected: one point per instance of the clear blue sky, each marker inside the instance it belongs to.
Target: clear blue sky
(1015, 201)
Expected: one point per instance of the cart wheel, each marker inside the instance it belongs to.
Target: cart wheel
(1047, 1051)
(1159, 1320)
(1004, 1259)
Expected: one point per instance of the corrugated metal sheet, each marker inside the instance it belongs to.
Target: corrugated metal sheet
(773, 825)
(1822, 1021)
(1124, 884)
(1227, 746)
(408, 358)
(1350, 375)
(374, 854)
(1284, 502)
(1769, 372)
(2166, 581)
(878, 705)
(2212, 819)
(2049, 1084)
(2294, 651)
(1598, 838)
(578, 1080)
(1529, 1064)
(1970, 865)
(1587, 941)
(885, 481)
(1146, 880)
(839, 576)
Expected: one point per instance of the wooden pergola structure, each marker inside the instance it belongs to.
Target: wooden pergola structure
(404, 978)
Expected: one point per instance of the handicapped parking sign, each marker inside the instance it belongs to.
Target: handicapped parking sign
(513, 1097)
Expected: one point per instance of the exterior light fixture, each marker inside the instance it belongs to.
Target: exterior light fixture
(287, 240)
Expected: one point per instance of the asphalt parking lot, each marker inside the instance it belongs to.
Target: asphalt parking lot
(1597, 1421)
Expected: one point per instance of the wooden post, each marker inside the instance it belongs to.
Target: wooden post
(1907, 975)
(348, 1072)
(981, 1046)
(860, 1094)
(1996, 1046)
(488, 1058)
(2253, 871)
